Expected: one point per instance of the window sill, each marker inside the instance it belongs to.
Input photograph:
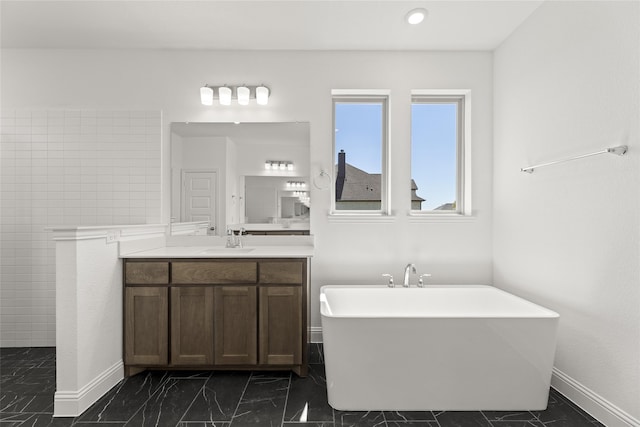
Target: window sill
(445, 217)
(358, 218)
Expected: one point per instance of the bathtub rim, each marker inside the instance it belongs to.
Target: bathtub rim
(325, 311)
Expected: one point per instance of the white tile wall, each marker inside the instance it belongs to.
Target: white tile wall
(65, 167)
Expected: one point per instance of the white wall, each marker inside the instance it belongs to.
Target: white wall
(567, 236)
(65, 167)
(89, 322)
(301, 83)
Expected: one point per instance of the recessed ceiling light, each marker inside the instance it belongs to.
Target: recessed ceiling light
(416, 16)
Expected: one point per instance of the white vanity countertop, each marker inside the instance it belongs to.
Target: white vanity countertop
(282, 251)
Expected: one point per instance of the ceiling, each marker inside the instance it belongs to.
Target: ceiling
(259, 25)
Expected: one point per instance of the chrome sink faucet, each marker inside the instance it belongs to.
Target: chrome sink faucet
(407, 271)
(239, 241)
(233, 240)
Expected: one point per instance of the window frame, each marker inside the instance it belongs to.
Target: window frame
(358, 97)
(462, 98)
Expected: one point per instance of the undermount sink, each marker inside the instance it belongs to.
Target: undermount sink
(222, 250)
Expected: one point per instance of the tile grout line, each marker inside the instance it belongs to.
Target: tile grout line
(241, 396)
(193, 401)
(286, 401)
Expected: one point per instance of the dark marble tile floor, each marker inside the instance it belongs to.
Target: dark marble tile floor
(230, 399)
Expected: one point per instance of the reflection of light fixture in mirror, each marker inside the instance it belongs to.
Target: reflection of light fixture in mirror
(243, 95)
(280, 165)
(262, 95)
(206, 95)
(224, 94)
(296, 184)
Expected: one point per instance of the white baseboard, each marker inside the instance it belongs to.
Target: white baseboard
(74, 403)
(315, 334)
(594, 404)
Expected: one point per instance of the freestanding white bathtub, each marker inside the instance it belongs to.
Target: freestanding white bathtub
(450, 347)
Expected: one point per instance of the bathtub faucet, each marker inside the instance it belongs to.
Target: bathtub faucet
(407, 271)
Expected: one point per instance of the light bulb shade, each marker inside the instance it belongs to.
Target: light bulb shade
(416, 16)
(206, 95)
(224, 93)
(243, 95)
(262, 95)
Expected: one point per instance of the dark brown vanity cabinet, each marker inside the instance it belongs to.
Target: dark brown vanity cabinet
(236, 325)
(280, 325)
(192, 320)
(216, 314)
(145, 323)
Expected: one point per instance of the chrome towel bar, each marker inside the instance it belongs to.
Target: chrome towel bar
(619, 150)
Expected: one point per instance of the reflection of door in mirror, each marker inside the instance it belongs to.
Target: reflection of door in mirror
(199, 196)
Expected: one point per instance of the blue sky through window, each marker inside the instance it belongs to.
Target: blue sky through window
(359, 134)
(433, 152)
(433, 145)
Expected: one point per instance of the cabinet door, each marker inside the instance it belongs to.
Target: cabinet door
(146, 325)
(235, 325)
(280, 325)
(191, 325)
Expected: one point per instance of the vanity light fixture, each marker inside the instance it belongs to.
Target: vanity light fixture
(416, 16)
(241, 93)
(262, 95)
(224, 95)
(280, 165)
(206, 95)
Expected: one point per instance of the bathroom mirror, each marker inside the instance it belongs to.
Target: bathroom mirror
(245, 175)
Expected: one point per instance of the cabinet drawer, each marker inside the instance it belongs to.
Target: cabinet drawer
(209, 272)
(146, 273)
(281, 272)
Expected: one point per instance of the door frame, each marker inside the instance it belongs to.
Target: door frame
(183, 209)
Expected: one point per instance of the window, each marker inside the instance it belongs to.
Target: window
(360, 153)
(438, 128)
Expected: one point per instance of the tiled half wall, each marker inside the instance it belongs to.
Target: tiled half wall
(66, 167)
